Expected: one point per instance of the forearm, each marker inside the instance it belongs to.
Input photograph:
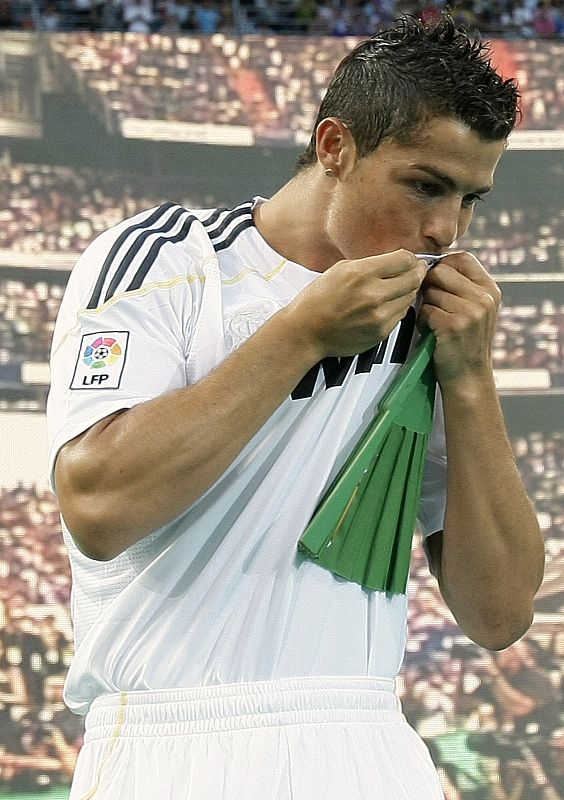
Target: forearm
(493, 551)
(147, 465)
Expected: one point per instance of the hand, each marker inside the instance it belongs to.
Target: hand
(356, 304)
(460, 304)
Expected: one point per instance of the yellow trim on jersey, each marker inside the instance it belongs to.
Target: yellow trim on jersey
(268, 276)
(133, 293)
(111, 746)
(143, 290)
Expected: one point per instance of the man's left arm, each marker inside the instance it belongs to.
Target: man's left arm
(490, 558)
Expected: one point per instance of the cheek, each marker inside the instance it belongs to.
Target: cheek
(363, 227)
(464, 221)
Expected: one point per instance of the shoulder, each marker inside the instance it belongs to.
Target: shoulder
(161, 244)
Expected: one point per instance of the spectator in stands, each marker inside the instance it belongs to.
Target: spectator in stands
(430, 619)
(49, 19)
(22, 635)
(139, 16)
(56, 646)
(545, 19)
(522, 693)
(170, 24)
(43, 758)
(335, 17)
(207, 17)
(182, 11)
(429, 12)
(464, 13)
(555, 766)
(7, 18)
(88, 13)
(13, 690)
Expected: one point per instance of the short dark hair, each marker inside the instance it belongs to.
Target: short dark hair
(390, 85)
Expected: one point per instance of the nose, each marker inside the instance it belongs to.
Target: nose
(445, 224)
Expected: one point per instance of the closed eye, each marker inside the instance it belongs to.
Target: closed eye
(433, 190)
(428, 189)
(471, 199)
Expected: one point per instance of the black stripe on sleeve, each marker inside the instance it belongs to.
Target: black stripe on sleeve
(137, 245)
(155, 216)
(246, 223)
(212, 218)
(226, 221)
(151, 256)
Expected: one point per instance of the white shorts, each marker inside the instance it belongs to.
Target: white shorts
(294, 739)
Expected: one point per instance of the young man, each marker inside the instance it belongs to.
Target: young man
(199, 410)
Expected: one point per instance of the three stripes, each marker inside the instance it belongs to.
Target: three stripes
(222, 226)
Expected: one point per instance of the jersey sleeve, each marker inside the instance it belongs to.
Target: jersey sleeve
(123, 331)
(433, 492)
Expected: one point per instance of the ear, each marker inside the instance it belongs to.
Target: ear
(335, 146)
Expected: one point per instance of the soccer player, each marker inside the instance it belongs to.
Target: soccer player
(212, 370)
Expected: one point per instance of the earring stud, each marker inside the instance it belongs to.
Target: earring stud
(329, 173)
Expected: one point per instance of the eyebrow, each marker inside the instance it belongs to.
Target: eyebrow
(446, 179)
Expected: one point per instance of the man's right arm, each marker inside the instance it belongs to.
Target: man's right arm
(139, 468)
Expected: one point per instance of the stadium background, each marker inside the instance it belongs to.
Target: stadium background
(97, 126)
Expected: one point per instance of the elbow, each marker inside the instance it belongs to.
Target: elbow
(90, 533)
(501, 633)
(85, 508)
(493, 625)
(91, 541)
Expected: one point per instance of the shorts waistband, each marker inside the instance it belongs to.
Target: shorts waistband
(236, 706)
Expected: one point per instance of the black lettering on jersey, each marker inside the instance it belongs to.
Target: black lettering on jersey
(335, 369)
(370, 357)
(404, 337)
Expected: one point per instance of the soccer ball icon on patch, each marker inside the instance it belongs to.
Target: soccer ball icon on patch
(103, 352)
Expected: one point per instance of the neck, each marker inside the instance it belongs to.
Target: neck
(293, 221)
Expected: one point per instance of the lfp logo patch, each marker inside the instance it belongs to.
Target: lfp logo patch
(101, 360)
(103, 352)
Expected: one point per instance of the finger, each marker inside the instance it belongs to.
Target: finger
(405, 286)
(442, 311)
(474, 308)
(434, 318)
(468, 265)
(446, 301)
(388, 265)
(394, 309)
(451, 280)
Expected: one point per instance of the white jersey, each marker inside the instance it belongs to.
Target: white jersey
(220, 594)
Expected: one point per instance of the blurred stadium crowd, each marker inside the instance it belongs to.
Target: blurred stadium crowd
(493, 721)
(40, 739)
(272, 84)
(522, 18)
